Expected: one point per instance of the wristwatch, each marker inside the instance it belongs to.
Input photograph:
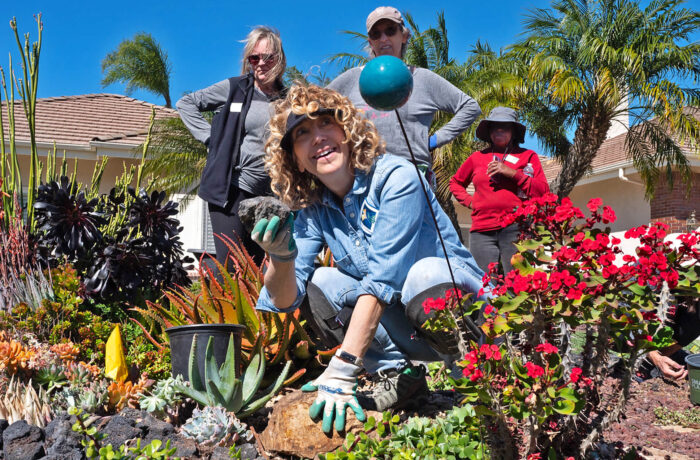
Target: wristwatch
(349, 358)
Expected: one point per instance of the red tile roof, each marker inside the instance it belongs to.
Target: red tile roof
(611, 153)
(111, 118)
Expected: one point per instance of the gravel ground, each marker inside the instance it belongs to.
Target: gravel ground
(637, 428)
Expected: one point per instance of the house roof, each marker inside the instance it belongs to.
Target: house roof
(86, 119)
(611, 154)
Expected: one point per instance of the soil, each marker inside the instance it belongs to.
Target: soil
(638, 426)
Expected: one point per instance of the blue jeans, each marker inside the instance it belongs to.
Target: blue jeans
(395, 342)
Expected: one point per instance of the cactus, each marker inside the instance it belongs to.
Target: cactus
(213, 426)
(221, 387)
(22, 402)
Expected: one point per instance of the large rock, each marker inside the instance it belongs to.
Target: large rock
(120, 429)
(22, 441)
(61, 441)
(3, 425)
(253, 209)
(291, 431)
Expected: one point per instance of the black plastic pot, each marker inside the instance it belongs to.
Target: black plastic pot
(181, 343)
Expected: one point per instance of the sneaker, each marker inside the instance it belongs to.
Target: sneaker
(396, 389)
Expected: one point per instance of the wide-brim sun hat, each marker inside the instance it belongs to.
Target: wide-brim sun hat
(501, 115)
(295, 119)
(383, 12)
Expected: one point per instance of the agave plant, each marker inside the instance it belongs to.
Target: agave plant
(231, 300)
(220, 385)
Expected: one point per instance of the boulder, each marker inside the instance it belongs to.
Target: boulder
(120, 429)
(61, 441)
(22, 441)
(3, 425)
(290, 430)
(253, 209)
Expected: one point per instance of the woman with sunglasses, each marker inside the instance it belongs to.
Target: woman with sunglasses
(387, 35)
(235, 139)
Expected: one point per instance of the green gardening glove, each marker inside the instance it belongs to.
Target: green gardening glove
(336, 392)
(276, 237)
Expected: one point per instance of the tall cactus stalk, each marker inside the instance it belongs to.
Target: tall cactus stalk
(27, 89)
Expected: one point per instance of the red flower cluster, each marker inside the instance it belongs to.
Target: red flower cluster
(576, 375)
(475, 356)
(533, 370)
(431, 304)
(546, 348)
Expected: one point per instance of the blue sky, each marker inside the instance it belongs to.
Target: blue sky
(202, 37)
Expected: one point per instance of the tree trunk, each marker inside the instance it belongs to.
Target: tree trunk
(575, 163)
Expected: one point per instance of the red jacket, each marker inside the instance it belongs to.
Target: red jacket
(496, 196)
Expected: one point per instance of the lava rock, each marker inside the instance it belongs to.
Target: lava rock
(252, 210)
(220, 453)
(154, 428)
(61, 441)
(186, 448)
(120, 429)
(3, 425)
(249, 452)
(22, 441)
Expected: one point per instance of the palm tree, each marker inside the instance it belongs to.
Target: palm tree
(140, 63)
(585, 62)
(175, 158)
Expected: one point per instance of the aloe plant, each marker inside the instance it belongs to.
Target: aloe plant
(220, 385)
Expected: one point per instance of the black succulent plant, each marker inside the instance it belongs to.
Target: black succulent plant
(119, 269)
(68, 222)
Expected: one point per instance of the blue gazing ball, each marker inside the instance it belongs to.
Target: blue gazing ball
(386, 83)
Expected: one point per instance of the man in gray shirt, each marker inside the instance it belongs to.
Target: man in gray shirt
(431, 93)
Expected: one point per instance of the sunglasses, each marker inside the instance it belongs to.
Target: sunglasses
(376, 34)
(255, 59)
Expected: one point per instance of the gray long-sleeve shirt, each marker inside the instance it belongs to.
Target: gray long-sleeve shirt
(431, 93)
(250, 174)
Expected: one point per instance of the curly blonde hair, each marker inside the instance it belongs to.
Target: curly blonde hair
(299, 189)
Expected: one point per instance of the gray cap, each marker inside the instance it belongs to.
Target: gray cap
(501, 115)
(383, 12)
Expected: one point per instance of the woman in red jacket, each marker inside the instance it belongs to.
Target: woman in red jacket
(504, 175)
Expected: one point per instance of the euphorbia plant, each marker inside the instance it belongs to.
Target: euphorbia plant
(570, 273)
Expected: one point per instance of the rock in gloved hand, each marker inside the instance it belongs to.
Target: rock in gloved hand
(252, 210)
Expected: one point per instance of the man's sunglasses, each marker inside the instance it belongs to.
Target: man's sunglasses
(376, 34)
(254, 59)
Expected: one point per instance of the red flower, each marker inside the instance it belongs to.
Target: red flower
(649, 338)
(649, 316)
(594, 204)
(433, 304)
(608, 215)
(490, 309)
(575, 374)
(533, 370)
(536, 456)
(476, 375)
(546, 348)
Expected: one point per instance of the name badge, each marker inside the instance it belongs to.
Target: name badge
(511, 158)
(236, 106)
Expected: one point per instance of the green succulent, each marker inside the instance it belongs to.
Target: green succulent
(51, 377)
(91, 398)
(213, 426)
(221, 387)
(162, 395)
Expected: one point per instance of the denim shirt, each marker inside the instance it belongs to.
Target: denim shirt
(382, 228)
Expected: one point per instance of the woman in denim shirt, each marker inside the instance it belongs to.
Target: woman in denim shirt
(325, 160)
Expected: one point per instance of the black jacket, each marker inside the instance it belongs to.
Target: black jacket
(225, 141)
